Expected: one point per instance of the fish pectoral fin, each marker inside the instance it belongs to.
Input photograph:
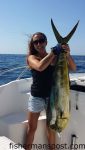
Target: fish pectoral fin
(63, 115)
(52, 122)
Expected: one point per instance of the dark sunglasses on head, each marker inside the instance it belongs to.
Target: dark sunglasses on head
(40, 41)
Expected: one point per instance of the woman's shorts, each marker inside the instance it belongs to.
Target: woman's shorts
(37, 104)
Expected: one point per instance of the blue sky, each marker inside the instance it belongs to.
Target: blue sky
(21, 17)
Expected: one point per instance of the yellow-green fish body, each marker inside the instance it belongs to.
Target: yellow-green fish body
(59, 99)
(58, 108)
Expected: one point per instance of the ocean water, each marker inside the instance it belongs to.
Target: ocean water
(13, 61)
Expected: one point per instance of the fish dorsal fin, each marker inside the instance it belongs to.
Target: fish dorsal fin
(59, 38)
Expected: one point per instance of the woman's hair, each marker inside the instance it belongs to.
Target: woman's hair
(32, 50)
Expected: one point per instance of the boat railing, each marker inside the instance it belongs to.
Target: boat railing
(25, 68)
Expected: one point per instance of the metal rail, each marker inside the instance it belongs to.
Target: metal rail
(15, 68)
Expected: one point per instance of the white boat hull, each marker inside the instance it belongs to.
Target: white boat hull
(13, 116)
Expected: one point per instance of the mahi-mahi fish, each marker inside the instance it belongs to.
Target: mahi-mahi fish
(58, 112)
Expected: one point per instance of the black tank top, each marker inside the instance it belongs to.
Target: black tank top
(42, 82)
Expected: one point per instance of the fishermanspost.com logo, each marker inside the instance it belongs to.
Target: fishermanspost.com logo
(48, 146)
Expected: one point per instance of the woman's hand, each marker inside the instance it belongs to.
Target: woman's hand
(58, 48)
(66, 48)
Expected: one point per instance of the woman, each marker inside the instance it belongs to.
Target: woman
(42, 66)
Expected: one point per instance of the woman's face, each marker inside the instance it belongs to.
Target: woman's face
(39, 43)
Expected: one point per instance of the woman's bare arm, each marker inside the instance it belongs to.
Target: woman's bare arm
(42, 64)
(71, 63)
